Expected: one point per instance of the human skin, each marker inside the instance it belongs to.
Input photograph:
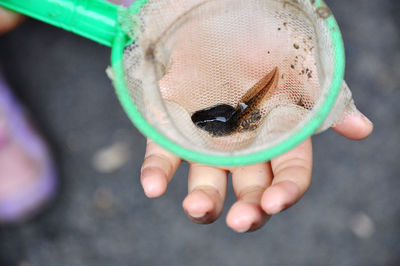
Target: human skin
(8, 20)
(262, 189)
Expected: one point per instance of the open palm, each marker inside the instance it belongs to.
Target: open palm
(262, 189)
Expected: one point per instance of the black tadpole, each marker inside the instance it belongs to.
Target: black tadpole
(218, 120)
(223, 119)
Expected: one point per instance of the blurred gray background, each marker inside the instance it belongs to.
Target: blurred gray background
(350, 215)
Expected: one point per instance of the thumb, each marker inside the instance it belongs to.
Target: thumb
(355, 126)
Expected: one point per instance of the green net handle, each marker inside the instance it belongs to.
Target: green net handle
(96, 20)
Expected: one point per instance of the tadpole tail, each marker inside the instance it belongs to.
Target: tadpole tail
(257, 95)
(262, 87)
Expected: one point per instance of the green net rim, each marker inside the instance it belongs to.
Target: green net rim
(230, 160)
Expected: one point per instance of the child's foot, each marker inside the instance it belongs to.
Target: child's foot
(27, 177)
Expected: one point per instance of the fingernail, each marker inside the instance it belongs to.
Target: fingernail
(197, 216)
(242, 230)
(153, 185)
(365, 118)
(280, 196)
(275, 207)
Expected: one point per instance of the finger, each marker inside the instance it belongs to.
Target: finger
(8, 20)
(355, 127)
(249, 183)
(292, 177)
(207, 190)
(157, 170)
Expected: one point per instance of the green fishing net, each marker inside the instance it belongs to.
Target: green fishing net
(268, 70)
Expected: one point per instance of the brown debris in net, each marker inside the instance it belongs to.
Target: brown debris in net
(323, 12)
(309, 73)
(302, 104)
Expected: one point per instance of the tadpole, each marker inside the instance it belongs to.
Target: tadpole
(224, 119)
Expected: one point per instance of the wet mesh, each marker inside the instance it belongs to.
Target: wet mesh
(193, 54)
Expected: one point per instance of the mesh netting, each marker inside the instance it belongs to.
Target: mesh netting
(269, 62)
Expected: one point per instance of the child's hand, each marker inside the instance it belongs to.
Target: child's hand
(262, 189)
(8, 20)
